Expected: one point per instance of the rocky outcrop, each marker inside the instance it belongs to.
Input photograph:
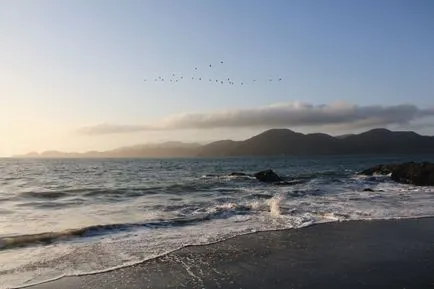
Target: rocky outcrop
(380, 170)
(419, 174)
(267, 176)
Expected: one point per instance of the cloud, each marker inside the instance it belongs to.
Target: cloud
(105, 128)
(293, 114)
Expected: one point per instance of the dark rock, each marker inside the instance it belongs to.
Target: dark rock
(380, 170)
(210, 175)
(419, 174)
(237, 174)
(368, 190)
(261, 196)
(267, 176)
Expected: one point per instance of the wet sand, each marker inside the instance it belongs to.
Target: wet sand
(356, 254)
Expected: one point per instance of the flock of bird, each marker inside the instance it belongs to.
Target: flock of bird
(198, 76)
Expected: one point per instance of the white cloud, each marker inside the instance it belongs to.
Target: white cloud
(293, 114)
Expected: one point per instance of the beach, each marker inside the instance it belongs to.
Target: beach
(395, 253)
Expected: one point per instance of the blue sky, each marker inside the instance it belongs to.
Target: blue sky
(69, 66)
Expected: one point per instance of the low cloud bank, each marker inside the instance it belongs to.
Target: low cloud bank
(293, 114)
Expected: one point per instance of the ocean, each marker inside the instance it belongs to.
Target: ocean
(62, 217)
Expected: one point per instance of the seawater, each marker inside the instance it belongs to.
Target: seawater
(79, 216)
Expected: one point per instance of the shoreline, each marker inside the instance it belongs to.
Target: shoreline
(396, 253)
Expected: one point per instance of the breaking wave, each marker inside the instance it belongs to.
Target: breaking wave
(222, 211)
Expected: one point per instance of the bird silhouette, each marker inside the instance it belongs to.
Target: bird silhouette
(178, 77)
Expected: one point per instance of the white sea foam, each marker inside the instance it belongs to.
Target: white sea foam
(274, 204)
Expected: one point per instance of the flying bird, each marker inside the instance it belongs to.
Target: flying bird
(177, 77)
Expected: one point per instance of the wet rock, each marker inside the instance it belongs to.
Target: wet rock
(380, 170)
(210, 175)
(368, 190)
(261, 196)
(419, 174)
(267, 176)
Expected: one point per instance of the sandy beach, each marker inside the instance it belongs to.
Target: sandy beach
(355, 254)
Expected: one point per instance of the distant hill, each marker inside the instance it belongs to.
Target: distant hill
(220, 148)
(288, 142)
(273, 142)
(161, 150)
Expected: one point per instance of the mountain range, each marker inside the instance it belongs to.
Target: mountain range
(273, 142)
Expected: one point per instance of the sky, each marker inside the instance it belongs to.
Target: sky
(84, 75)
